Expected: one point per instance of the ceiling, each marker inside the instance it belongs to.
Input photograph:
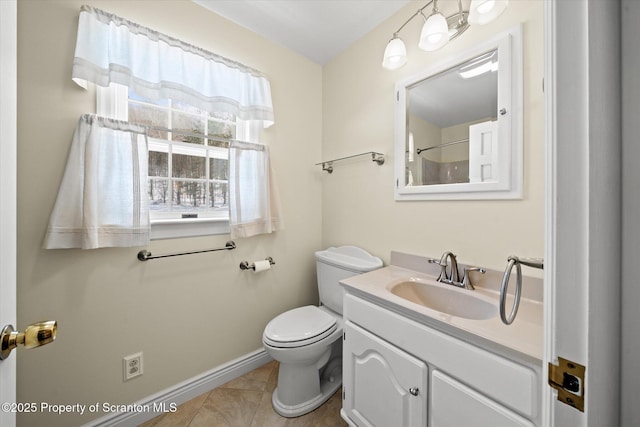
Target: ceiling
(447, 99)
(316, 29)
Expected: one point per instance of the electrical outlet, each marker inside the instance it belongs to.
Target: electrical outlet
(132, 366)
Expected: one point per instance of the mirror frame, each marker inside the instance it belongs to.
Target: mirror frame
(510, 126)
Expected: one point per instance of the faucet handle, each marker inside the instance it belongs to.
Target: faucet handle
(466, 280)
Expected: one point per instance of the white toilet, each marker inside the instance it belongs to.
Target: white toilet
(307, 340)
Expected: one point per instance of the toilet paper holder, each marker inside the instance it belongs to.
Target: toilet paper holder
(244, 265)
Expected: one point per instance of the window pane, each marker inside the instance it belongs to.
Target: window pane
(185, 166)
(181, 106)
(219, 169)
(161, 102)
(158, 190)
(149, 116)
(219, 192)
(189, 196)
(189, 124)
(158, 164)
(220, 129)
(228, 117)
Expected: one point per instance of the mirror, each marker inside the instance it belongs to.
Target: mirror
(459, 126)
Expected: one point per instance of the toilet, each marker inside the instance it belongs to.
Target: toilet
(307, 340)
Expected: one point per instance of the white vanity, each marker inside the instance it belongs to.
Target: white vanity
(408, 364)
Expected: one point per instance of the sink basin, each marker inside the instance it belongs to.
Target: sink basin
(445, 299)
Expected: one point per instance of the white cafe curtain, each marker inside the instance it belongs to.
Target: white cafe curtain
(102, 200)
(110, 49)
(254, 206)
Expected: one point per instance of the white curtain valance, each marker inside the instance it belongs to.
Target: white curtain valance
(110, 49)
(102, 200)
(254, 205)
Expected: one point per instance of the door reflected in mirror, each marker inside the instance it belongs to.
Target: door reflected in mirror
(459, 125)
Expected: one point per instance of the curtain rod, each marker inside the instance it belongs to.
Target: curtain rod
(93, 116)
(192, 134)
(420, 150)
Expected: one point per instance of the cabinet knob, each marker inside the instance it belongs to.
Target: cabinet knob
(414, 391)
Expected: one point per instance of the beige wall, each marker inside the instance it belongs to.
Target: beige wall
(358, 116)
(187, 314)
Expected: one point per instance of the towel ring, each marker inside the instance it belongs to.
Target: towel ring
(507, 320)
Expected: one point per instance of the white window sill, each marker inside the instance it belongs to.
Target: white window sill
(178, 228)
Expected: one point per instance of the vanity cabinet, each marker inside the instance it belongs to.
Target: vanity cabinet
(398, 371)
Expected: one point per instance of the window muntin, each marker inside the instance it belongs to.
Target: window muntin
(188, 173)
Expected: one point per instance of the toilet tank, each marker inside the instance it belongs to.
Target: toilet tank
(337, 263)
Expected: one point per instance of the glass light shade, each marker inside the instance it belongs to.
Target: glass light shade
(484, 11)
(435, 33)
(395, 54)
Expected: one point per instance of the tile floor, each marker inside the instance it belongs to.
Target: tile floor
(246, 402)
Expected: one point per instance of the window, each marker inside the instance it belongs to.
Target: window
(188, 173)
(188, 181)
(188, 160)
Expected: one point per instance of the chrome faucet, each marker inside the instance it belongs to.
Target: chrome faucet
(454, 277)
(443, 277)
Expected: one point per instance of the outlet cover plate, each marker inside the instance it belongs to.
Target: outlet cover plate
(132, 366)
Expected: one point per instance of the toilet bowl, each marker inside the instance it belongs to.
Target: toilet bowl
(301, 386)
(307, 340)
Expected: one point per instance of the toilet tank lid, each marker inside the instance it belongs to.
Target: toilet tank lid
(349, 257)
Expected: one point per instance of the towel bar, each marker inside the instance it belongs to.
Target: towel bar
(145, 255)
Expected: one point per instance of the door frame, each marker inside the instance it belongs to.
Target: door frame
(8, 182)
(583, 205)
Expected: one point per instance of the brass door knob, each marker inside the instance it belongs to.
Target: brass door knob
(34, 335)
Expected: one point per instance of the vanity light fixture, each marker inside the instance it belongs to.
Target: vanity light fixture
(438, 30)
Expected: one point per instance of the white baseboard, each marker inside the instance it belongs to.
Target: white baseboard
(183, 392)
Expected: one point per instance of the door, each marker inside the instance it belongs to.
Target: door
(383, 385)
(8, 81)
(582, 242)
(483, 152)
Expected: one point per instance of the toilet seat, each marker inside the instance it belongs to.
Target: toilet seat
(299, 327)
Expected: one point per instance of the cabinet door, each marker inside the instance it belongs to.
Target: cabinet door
(383, 385)
(453, 404)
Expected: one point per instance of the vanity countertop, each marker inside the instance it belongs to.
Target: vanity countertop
(524, 335)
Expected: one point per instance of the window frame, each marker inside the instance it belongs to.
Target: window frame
(113, 102)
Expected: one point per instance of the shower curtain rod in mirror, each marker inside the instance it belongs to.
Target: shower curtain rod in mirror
(420, 150)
